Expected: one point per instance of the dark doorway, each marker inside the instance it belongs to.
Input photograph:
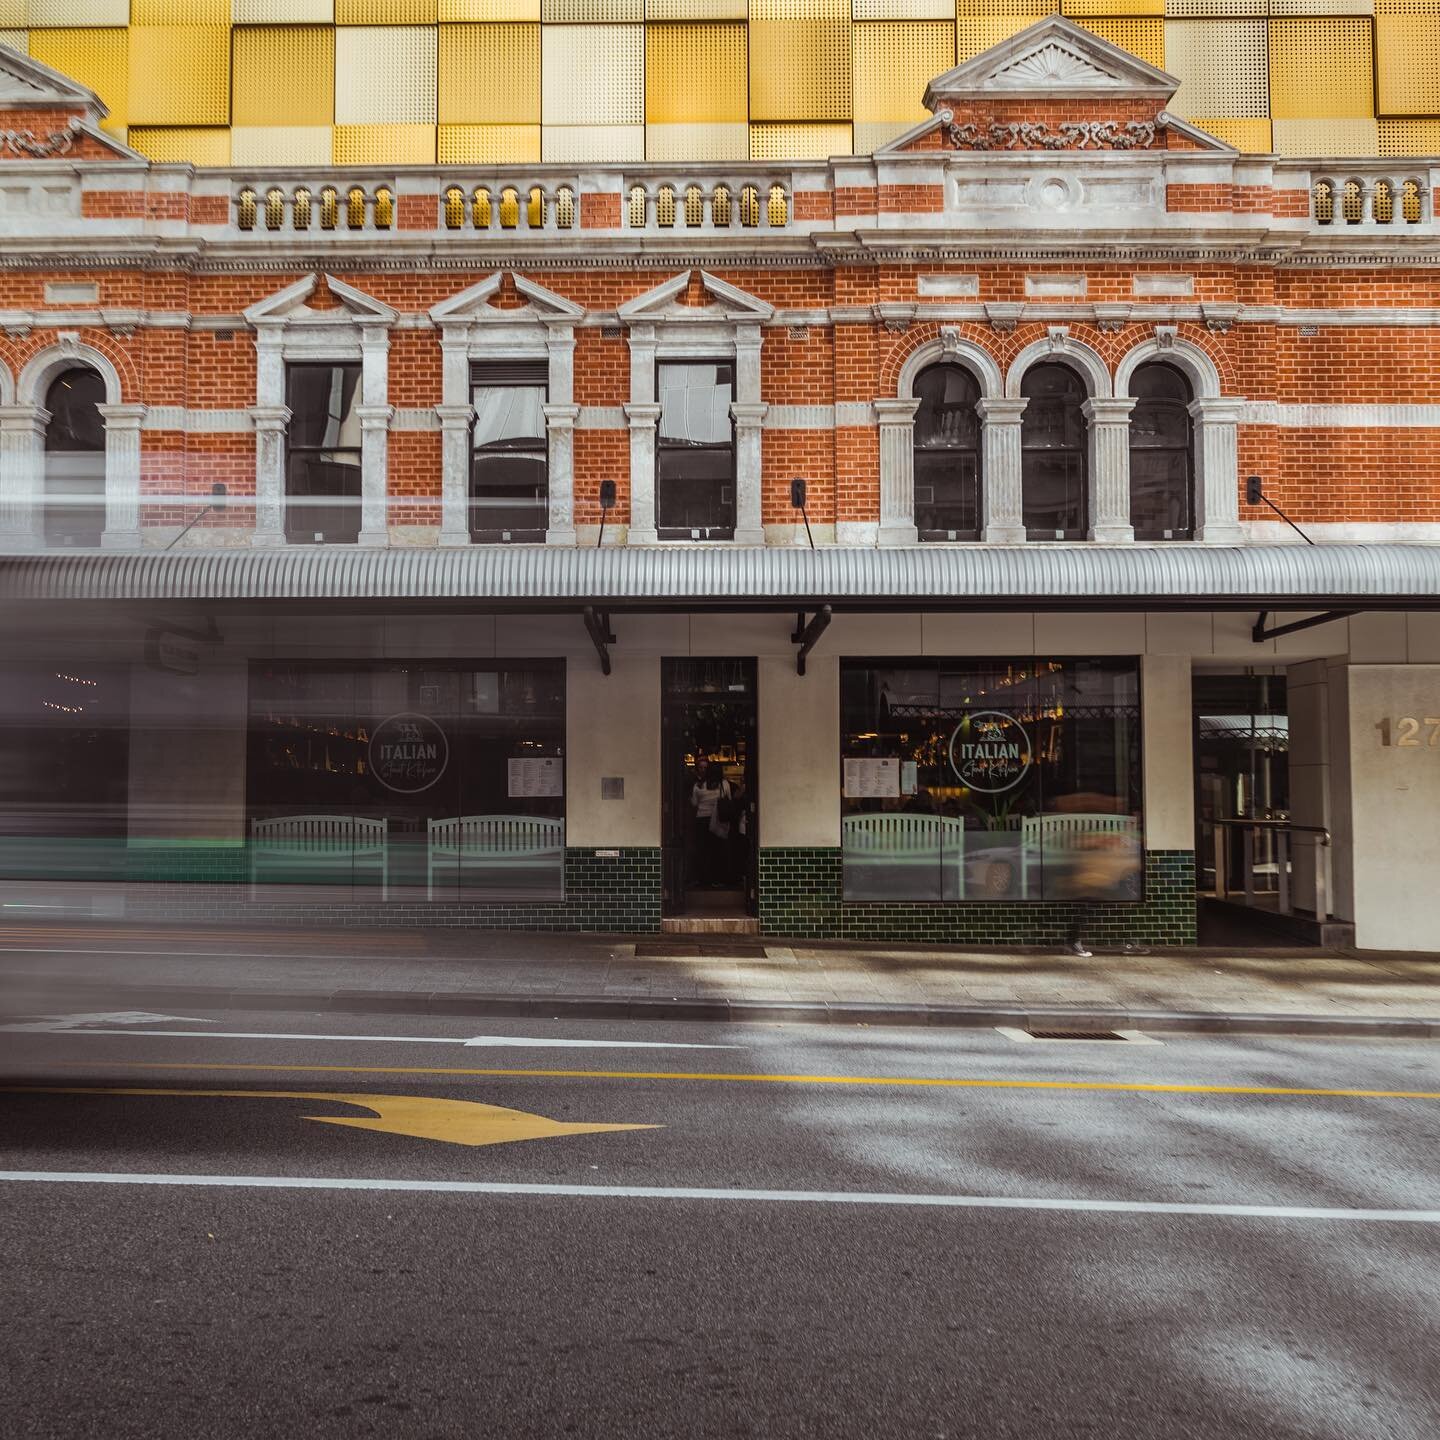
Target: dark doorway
(708, 811)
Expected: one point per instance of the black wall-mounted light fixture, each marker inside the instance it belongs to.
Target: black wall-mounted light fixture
(798, 490)
(607, 504)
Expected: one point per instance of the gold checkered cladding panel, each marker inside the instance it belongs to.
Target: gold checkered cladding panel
(278, 82)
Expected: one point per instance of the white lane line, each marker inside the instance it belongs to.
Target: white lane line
(685, 1192)
(63, 1024)
(499, 1041)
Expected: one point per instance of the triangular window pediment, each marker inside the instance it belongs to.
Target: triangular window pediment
(291, 306)
(26, 84)
(666, 302)
(476, 303)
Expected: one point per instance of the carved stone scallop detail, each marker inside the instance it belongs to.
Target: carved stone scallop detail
(1051, 64)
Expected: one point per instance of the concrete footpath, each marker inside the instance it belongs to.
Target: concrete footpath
(50, 968)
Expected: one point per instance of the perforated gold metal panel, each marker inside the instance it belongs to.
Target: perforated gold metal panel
(384, 145)
(283, 75)
(16, 40)
(1145, 38)
(1112, 7)
(280, 145)
(1218, 9)
(799, 142)
(385, 75)
(894, 60)
(179, 12)
(800, 69)
(979, 24)
(489, 144)
(1320, 69)
(97, 58)
(1322, 7)
(181, 144)
(386, 12)
(591, 144)
(282, 12)
(490, 74)
(460, 10)
(72, 14)
(903, 10)
(1407, 64)
(1326, 137)
(695, 74)
(696, 9)
(684, 143)
(1222, 67)
(592, 12)
(870, 135)
(593, 74)
(179, 75)
(1410, 137)
(1249, 135)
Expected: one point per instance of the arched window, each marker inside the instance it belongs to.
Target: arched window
(75, 459)
(1162, 455)
(1052, 454)
(947, 454)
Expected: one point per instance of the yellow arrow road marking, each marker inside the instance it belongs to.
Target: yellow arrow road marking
(456, 1122)
(943, 1082)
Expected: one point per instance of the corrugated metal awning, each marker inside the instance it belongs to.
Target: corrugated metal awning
(538, 577)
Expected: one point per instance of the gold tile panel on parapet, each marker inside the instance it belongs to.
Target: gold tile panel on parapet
(695, 74)
(97, 58)
(179, 75)
(283, 75)
(490, 74)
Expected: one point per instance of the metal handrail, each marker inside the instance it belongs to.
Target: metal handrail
(1281, 831)
(1278, 825)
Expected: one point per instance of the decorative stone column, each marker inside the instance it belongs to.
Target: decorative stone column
(643, 413)
(1217, 478)
(122, 476)
(22, 476)
(455, 421)
(749, 468)
(897, 471)
(560, 416)
(1109, 423)
(560, 433)
(1001, 496)
(374, 413)
(270, 422)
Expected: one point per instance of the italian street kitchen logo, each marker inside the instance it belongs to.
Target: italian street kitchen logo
(990, 752)
(408, 753)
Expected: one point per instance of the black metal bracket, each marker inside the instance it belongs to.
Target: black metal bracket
(807, 635)
(597, 622)
(1258, 631)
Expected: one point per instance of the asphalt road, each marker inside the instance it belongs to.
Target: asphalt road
(1047, 1243)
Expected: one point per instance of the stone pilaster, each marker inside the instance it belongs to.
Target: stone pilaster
(1109, 422)
(1217, 478)
(896, 419)
(22, 476)
(455, 421)
(1001, 497)
(270, 422)
(560, 434)
(749, 469)
(643, 413)
(374, 473)
(122, 476)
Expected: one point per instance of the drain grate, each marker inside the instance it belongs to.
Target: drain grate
(1062, 1033)
(712, 950)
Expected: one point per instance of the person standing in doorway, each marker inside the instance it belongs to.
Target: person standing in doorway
(710, 831)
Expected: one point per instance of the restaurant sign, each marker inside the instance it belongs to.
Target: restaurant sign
(408, 752)
(990, 752)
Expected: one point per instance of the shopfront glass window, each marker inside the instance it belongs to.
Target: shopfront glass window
(509, 470)
(322, 480)
(1052, 454)
(695, 451)
(947, 454)
(408, 780)
(75, 459)
(991, 780)
(1162, 455)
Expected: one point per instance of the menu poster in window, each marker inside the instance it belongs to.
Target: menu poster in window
(872, 779)
(909, 777)
(533, 775)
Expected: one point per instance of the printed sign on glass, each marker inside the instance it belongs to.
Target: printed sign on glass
(990, 752)
(408, 753)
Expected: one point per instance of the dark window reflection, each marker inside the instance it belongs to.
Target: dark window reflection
(1053, 443)
(695, 451)
(323, 454)
(947, 454)
(984, 780)
(1162, 455)
(445, 777)
(509, 472)
(75, 459)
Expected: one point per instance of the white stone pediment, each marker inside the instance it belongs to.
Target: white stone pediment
(288, 306)
(1052, 59)
(730, 303)
(26, 84)
(474, 304)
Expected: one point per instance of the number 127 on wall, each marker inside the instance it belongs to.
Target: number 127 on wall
(1406, 731)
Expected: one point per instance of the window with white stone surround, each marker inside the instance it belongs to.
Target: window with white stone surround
(725, 330)
(291, 333)
(31, 469)
(538, 332)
